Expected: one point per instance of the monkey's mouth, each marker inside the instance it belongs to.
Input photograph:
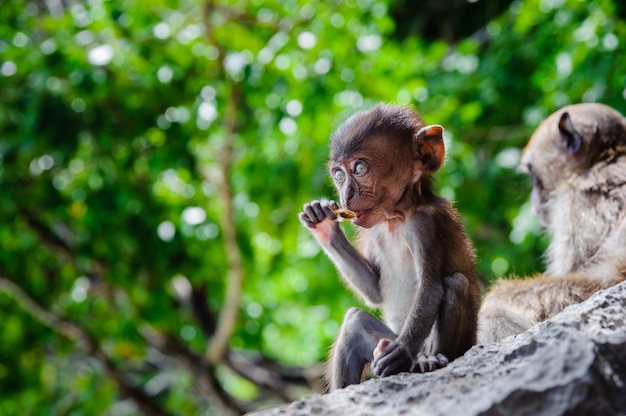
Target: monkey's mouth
(359, 212)
(364, 218)
(359, 215)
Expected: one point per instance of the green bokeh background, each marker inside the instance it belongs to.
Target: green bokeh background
(119, 119)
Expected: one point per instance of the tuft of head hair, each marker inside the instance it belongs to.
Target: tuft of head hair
(384, 120)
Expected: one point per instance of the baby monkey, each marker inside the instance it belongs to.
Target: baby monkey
(577, 161)
(414, 260)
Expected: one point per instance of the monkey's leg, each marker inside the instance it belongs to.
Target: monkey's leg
(514, 306)
(499, 318)
(454, 332)
(358, 337)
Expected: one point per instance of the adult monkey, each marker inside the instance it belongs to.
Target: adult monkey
(415, 262)
(577, 160)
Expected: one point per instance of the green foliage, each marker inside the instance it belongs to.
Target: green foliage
(114, 116)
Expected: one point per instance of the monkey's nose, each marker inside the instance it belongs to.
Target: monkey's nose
(348, 193)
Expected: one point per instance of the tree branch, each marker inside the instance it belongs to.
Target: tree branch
(85, 340)
(204, 374)
(51, 240)
(234, 279)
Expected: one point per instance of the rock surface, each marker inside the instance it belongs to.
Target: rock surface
(573, 364)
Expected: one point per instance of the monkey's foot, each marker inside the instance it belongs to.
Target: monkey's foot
(393, 358)
(425, 363)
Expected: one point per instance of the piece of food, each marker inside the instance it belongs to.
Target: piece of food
(345, 214)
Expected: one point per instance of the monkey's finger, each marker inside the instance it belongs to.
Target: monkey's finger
(377, 365)
(423, 364)
(306, 221)
(310, 210)
(329, 212)
(392, 360)
(420, 364)
(427, 363)
(333, 205)
(319, 210)
(442, 360)
(386, 354)
(399, 365)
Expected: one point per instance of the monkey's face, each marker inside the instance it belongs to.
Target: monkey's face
(540, 159)
(378, 156)
(373, 181)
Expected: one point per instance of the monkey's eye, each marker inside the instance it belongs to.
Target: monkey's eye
(339, 175)
(360, 168)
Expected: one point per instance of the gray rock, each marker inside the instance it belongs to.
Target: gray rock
(573, 364)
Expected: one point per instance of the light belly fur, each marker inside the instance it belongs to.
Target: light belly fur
(399, 282)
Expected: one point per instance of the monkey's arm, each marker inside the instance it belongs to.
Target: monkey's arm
(423, 315)
(362, 276)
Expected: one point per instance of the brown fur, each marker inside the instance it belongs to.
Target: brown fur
(577, 160)
(414, 261)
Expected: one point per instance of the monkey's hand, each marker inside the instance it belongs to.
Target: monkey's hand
(318, 216)
(426, 363)
(392, 359)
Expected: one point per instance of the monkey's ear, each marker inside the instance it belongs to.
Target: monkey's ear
(573, 139)
(430, 147)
